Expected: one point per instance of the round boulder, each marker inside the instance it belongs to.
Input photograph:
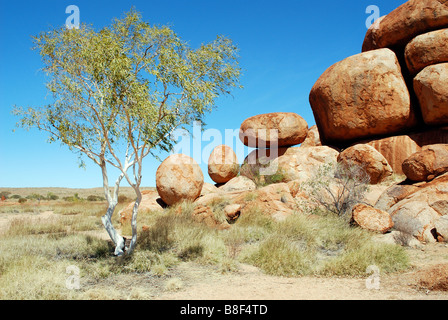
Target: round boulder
(361, 97)
(179, 178)
(431, 89)
(395, 149)
(428, 163)
(223, 164)
(368, 158)
(427, 49)
(371, 218)
(281, 129)
(400, 26)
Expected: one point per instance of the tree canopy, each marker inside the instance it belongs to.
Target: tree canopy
(119, 92)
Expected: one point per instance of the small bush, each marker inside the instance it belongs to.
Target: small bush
(51, 196)
(123, 199)
(338, 187)
(22, 200)
(74, 198)
(95, 198)
(159, 237)
(35, 196)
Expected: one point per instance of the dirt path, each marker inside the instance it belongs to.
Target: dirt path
(199, 283)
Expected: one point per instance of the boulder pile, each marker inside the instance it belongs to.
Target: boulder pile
(384, 110)
(395, 89)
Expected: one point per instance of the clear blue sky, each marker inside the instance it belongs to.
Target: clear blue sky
(285, 46)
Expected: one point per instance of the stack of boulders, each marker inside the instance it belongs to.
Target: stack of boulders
(275, 137)
(385, 110)
(394, 97)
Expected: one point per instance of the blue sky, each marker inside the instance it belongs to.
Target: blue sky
(285, 45)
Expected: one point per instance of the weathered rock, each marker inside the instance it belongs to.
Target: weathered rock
(360, 97)
(395, 149)
(368, 158)
(179, 178)
(371, 218)
(431, 136)
(394, 194)
(223, 164)
(240, 183)
(295, 188)
(208, 188)
(312, 138)
(232, 212)
(151, 202)
(409, 20)
(431, 88)
(418, 212)
(286, 164)
(205, 215)
(428, 163)
(442, 227)
(374, 193)
(274, 200)
(427, 49)
(273, 129)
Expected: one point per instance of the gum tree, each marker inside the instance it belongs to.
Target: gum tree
(119, 92)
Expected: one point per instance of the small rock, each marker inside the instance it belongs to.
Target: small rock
(370, 218)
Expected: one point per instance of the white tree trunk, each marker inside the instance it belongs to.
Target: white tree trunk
(113, 234)
(134, 221)
(112, 201)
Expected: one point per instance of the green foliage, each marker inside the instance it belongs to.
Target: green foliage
(5, 194)
(51, 196)
(119, 92)
(74, 198)
(123, 199)
(94, 198)
(128, 82)
(35, 196)
(262, 172)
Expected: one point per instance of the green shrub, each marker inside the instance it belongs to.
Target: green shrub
(5, 194)
(95, 198)
(123, 199)
(51, 196)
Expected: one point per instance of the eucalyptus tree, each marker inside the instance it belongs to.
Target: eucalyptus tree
(118, 93)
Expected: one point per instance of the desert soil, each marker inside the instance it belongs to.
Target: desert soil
(198, 282)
